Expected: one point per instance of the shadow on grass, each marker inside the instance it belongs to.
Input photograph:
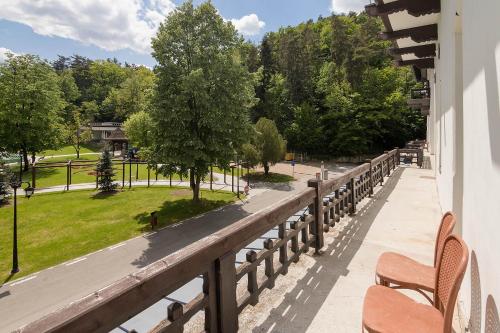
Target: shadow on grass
(175, 211)
(269, 178)
(11, 275)
(104, 195)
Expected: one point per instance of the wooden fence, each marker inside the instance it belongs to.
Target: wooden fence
(320, 207)
(127, 170)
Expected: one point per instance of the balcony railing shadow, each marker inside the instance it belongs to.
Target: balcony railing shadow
(303, 302)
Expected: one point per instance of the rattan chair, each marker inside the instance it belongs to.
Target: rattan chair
(400, 272)
(386, 310)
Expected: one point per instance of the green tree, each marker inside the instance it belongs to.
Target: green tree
(203, 94)
(30, 106)
(251, 155)
(105, 76)
(269, 143)
(139, 129)
(77, 131)
(105, 172)
(133, 95)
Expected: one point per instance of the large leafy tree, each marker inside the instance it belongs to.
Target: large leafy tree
(31, 104)
(203, 94)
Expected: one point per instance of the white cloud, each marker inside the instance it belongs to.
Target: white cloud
(110, 25)
(346, 6)
(249, 25)
(3, 53)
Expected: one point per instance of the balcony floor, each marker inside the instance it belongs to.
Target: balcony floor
(325, 293)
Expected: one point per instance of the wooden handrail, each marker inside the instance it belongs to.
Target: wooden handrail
(321, 206)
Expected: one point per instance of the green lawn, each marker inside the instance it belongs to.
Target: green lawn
(67, 150)
(270, 178)
(56, 227)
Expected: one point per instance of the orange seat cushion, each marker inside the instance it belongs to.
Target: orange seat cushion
(386, 310)
(405, 272)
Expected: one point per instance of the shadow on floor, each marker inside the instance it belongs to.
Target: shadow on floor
(302, 303)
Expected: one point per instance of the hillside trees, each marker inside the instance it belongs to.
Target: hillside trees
(331, 88)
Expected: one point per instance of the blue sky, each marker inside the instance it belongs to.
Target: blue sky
(123, 28)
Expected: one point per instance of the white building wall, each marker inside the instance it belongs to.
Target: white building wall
(445, 105)
(481, 160)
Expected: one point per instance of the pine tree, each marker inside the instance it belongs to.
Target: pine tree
(105, 172)
(5, 178)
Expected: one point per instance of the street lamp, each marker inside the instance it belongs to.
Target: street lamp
(28, 191)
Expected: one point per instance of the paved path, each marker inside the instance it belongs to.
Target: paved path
(32, 297)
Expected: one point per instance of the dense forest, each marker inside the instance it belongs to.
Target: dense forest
(332, 89)
(328, 85)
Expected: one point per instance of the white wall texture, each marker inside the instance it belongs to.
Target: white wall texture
(481, 159)
(465, 138)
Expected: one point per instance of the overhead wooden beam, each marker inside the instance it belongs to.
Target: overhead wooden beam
(414, 7)
(420, 51)
(420, 34)
(420, 63)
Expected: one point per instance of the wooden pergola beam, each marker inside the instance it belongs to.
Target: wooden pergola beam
(414, 7)
(420, 34)
(420, 51)
(419, 63)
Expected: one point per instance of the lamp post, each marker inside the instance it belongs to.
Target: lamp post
(28, 192)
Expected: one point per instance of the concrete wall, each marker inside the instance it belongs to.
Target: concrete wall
(465, 138)
(481, 160)
(445, 129)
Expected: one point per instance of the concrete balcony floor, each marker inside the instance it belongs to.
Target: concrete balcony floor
(325, 293)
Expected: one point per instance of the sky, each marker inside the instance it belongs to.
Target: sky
(122, 29)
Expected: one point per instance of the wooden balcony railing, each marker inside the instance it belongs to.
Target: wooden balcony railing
(319, 207)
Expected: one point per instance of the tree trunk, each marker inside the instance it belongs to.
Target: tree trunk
(266, 169)
(196, 189)
(33, 158)
(25, 160)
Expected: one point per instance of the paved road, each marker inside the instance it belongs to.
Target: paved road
(25, 300)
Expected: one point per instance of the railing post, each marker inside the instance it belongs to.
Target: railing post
(269, 263)
(318, 214)
(209, 289)
(227, 311)
(352, 195)
(388, 165)
(295, 241)
(252, 278)
(175, 312)
(283, 251)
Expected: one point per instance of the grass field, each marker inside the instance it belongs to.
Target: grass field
(69, 150)
(84, 222)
